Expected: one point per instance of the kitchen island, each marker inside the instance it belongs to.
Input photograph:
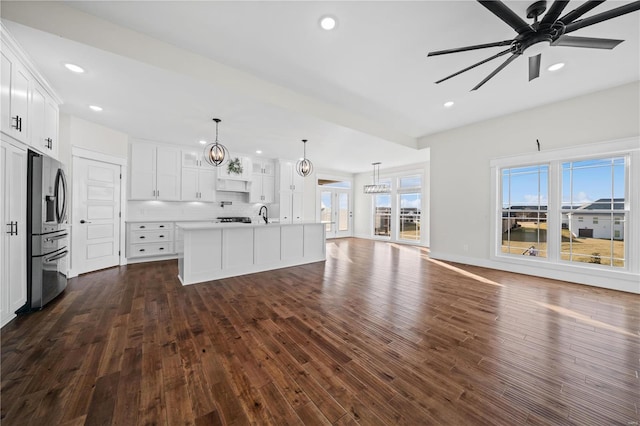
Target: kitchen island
(211, 251)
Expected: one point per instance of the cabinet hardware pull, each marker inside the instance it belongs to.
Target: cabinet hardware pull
(10, 225)
(161, 226)
(18, 125)
(141, 250)
(142, 237)
(49, 143)
(142, 226)
(161, 248)
(84, 221)
(161, 236)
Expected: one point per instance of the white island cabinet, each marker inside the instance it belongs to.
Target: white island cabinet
(212, 251)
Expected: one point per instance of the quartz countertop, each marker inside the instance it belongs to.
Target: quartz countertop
(188, 226)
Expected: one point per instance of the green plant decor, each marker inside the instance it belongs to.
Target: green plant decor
(234, 166)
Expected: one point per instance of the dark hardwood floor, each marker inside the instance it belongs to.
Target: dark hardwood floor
(377, 334)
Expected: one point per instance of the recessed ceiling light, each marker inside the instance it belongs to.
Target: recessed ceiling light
(74, 68)
(203, 142)
(258, 151)
(328, 22)
(95, 108)
(556, 67)
(448, 104)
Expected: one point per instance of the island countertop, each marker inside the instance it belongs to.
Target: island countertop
(210, 251)
(226, 225)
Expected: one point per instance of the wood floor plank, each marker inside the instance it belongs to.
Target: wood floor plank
(379, 334)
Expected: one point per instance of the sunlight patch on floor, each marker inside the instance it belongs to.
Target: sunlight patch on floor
(334, 252)
(465, 273)
(585, 319)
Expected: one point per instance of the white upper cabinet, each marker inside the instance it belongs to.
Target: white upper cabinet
(15, 95)
(43, 121)
(262, 182)
(289, 179)
(290, 186)
(194, 159)
(263, 167)
(198, 184)
(155, 172)
(29, 107)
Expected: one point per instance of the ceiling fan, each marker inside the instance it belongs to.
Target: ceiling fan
(552, 30)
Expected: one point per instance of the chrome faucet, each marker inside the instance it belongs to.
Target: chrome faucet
(264, 214)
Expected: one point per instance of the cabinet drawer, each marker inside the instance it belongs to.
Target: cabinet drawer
(150, 249)
(151, 236)
(150, 226)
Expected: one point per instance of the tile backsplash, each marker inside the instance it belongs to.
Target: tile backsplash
(185, 210)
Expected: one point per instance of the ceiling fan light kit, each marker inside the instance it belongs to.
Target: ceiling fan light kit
(535, 38)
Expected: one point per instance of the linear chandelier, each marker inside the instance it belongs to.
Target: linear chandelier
(377, 187)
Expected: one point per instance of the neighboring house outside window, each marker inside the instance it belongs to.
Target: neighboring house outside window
(591, 208)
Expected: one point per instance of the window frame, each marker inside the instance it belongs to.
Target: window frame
(628, 148)
(396, 190)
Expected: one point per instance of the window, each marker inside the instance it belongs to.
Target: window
(410, 212)
(524, 210)
(397, 215)
(382, 215)
(594, 186)
(568, 210)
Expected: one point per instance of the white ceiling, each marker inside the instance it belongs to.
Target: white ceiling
(361, 93)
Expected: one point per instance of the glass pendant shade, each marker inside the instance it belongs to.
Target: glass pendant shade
(215, 153)
(304, 167)
(376, 187)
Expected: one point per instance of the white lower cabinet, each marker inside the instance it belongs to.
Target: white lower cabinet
(146, 239)
(13, 243)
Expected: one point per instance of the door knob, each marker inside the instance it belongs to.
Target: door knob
(84, 221)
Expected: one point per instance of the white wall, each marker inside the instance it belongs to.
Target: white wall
(460, 172)
(84, 134)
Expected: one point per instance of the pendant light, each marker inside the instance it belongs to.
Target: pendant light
(215, 153)
(304, 167)
(377, 187)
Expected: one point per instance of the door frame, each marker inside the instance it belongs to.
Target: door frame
(334, 194)
(105, 158)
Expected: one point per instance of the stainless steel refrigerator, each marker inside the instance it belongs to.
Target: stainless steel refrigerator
(47, 233)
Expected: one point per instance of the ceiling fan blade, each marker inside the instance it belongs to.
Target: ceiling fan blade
(504, 52)
(507, 15)
(496, 71)
(604, 16)
(579, 11)
(588, 42)
(554, 11)
(474, 47)
(534, 66)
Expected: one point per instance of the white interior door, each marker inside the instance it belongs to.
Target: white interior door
(96, 215)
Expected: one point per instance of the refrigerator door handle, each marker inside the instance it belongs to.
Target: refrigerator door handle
(60, 193)
(57, 256)
(57, 237)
